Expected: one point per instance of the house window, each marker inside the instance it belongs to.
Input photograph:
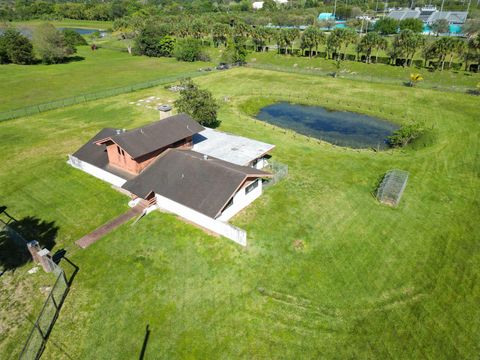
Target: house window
(123, 153)
(118, 150)
(251, 187)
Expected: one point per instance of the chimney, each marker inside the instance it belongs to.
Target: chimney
(205, 157)
(165, 111)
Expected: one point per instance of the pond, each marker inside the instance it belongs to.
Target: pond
(337, 127)
(84, 31)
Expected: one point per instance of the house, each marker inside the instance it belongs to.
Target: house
(203, 175)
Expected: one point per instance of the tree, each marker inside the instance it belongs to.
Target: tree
(340, 39)
(414, 79)
(406, 43)
(220, 33)
(73, 38)
(260, 36)
(473, 50)
(51, 45)
(15, 48)
(198, 103)
(236, 51)
(188, 49)
(441, 26)
(153, 40)
(311, 38)
(405, 135)
(471, 27)
(386, 26)
(369, 42)
(416, 25)
(269, 5)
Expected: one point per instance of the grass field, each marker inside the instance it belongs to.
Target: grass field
(450, 80)
(372, 282)
(22, 86)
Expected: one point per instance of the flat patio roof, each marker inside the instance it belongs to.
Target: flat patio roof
(238, 150)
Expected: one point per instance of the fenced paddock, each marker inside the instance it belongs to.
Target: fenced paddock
(39, 108)
(392, 186)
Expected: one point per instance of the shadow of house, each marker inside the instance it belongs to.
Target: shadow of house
(14, 238)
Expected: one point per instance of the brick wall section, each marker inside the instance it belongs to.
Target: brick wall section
(119, 158)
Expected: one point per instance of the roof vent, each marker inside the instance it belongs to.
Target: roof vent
(205, 157)
(124, 130)
(118, 131)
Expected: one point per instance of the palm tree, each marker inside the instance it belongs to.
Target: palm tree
(473, 50)
(414, 78)
(406, 43)
(311, 38)
(292, 35)
(371, 41)
(220, 33)
(458, 47)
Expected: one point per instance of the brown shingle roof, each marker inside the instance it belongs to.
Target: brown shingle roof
(184, 176)
(97, 155)
(146, 139)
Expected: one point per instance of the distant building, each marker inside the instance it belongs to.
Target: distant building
(429, 14)
(257, 5)
(326, 16)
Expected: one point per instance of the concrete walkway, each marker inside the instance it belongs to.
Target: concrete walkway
(95, 235)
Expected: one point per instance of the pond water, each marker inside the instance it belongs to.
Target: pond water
(84, 31)
(337, 127)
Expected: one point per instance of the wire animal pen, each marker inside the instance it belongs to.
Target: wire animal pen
(279, 171)
(391, 188)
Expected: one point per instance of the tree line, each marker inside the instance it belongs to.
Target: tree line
(155, 38)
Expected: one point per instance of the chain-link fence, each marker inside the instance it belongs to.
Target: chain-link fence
(38, 336)
(79, 99)
(279, 171)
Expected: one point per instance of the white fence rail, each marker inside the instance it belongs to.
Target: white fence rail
(96, 171)
(229, 231)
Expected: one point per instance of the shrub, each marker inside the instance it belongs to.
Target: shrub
(15, 48)
(73, 38)
(51, 45)
(197, 103)
(188, 50)
(405, 135)
(386, 26)
(154, 41)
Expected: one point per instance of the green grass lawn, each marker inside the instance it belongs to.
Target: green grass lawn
(24, 85)
(448, 80)
(85, 24)
(371, 282)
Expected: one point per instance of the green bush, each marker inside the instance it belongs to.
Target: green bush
(405, 135)
(188, 50)
(15, 48)
(198, 103)
(73, 38)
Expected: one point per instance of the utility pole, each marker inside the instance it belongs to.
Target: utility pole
(335, 8)
(441, 9)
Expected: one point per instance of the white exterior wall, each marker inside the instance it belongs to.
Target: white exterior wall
(240, 201)
(96, 171)
(229, 231)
